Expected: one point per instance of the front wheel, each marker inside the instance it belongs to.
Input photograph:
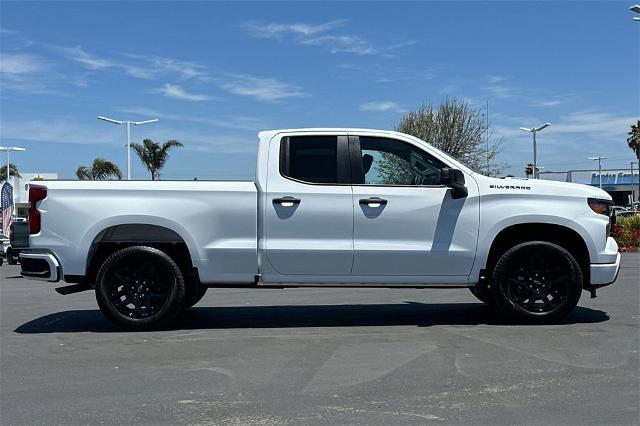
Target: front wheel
(140, 288)
(536, 282)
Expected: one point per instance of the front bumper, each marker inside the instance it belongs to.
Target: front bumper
(605, 273)
(40, 266)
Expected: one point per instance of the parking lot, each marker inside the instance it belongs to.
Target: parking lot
(317, 356)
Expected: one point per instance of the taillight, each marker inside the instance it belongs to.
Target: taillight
(36, 193)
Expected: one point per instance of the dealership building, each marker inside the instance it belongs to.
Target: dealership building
(621, 184)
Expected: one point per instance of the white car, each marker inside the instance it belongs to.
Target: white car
(328, 208)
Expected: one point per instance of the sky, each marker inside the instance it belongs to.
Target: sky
(216, 73)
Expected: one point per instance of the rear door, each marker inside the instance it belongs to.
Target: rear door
(405, 222)
(308, 208)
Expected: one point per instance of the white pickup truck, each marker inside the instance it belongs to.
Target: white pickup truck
(328, 208)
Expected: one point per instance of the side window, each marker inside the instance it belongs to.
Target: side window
(392, 162)
(311, 159)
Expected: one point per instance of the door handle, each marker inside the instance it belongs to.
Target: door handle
(286, 201)
(373, 201)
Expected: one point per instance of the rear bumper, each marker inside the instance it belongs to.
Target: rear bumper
(605, 273)
(40, 266)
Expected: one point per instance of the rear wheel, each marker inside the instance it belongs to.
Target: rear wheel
(140, 288)
(536, 282)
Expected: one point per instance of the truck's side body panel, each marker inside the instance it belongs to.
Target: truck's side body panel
(216, 220)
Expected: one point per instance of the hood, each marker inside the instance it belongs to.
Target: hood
(540, 186)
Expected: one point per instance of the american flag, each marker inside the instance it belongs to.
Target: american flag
(6, 207)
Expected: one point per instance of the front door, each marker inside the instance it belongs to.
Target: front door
(308, 208)
(405, 222)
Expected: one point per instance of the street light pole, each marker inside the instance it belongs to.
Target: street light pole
(128, 123)
(635, 8)
(535, 130)
(599, 168)
(9, 149)
(633, 191)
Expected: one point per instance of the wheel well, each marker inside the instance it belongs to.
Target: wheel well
(557, 234)
(118, 237)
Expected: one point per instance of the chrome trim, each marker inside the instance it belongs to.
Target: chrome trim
(54, 266)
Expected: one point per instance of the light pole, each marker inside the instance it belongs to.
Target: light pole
(9, 149)
(633, 191)
(128, 123)
(535, 130)
(635, 8)
(599, 168)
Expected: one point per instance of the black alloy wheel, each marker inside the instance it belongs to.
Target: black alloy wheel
(536, 282)
(140, 288)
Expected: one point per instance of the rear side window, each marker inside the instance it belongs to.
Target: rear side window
(312, 159)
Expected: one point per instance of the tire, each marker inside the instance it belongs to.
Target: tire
(11, 259)
(536, 282)
(140, 288)
(194, 295)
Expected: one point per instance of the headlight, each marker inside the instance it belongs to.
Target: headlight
(605, 208)
(600, 206)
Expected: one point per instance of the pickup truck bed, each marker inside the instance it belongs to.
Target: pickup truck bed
(216, 220)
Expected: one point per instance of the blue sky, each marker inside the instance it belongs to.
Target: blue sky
(216, 73)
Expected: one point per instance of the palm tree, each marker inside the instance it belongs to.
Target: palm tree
(100, 169)
(634, 139)
(13, 171)
(153, 155)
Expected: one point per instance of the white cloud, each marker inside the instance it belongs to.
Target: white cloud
(78, 54)
(228, 122)
(597, 125)
(381, 106)
(59, 131)
(342, 44)
(69, 131)
(177, 92)
(30, 74)
(320, 35)
(152, 67)
(17, 64)
(548, 103)
(260, 88)
(274, 30)
(139, 66)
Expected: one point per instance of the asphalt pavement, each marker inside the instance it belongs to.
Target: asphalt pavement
(319, 356)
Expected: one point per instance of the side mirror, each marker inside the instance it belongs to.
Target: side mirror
(454, 179)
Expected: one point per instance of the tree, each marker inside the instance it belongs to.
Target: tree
(634, 139)
(13, 171)
(457, 128)
(153, 155)
(100, 169)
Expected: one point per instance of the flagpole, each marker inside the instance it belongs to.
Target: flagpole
(11, 148)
